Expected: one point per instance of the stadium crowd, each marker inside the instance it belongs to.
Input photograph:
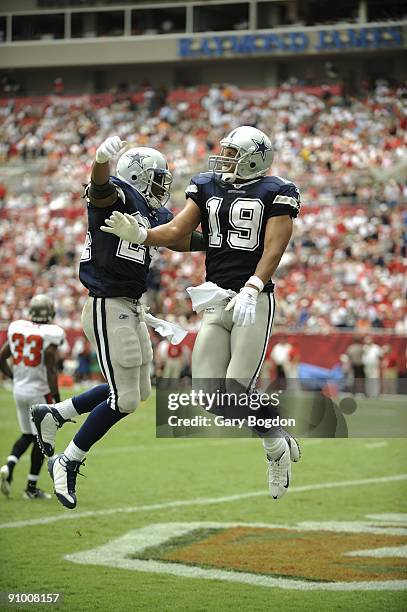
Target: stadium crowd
(345, 267)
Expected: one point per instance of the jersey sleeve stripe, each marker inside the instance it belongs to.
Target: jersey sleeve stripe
(280, 199)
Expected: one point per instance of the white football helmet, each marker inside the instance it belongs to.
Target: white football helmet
(41, 309)
(146, 170)
(254, 155)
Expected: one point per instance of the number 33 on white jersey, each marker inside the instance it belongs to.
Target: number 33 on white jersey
(28, 342)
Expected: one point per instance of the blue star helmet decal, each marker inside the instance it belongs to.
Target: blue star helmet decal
(261, 148)
(135, 159)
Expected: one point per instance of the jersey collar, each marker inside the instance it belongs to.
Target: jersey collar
(237, 185)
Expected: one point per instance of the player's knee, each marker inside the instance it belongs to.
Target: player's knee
(128, 401)
(126, 348)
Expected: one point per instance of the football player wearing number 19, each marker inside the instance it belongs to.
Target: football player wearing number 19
(115, 272)
(247, 221)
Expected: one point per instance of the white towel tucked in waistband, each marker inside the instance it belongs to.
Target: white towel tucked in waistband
(173, 332)
(208, 294)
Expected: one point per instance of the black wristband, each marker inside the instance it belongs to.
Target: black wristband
(197, 242)
(98, 192)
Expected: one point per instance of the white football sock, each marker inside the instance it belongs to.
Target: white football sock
(74, 453)
(275, 447)
(66, 409)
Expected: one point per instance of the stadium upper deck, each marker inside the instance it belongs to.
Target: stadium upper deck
(93, 46)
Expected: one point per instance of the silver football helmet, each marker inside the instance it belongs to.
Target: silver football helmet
(41, 309)
(146, 170)
(254, 155)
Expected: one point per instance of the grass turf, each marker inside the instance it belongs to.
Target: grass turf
(130, 468)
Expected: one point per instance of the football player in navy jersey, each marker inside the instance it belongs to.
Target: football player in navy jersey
(247, 221)
(115, 272)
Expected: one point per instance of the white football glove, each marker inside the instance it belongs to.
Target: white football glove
(244, 306)
(125, 227)
(109, 149)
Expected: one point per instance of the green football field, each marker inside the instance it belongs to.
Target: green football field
(174, 524)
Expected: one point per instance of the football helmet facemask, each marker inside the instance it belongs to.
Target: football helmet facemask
(146, 170)
(41, 309)
(253, 158)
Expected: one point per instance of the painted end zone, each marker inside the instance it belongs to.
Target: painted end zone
(336, 557)
(320, 556)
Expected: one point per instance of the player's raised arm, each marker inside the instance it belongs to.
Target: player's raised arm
(180, 228)
(101, 191)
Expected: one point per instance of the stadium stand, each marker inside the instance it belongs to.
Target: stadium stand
(345, 267)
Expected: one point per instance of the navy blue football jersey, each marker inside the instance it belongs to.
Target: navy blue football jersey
(234, 218)
(109, 266)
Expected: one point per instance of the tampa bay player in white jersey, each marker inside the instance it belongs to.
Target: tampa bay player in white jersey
(247, 221)
(33, 347)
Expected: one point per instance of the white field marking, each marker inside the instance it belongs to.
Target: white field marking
(117, 553)
(353, 527)
(164, 447)
(376, 444)
(390, 517)
(197, 442)
(372, 411)
(386, 551)
(191, 443)
(113, 450)
(198, 501)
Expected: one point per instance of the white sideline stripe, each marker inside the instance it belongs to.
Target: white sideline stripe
(198, 501)
(177, 443)
(164, 447)
(119, 450)
(376, 444)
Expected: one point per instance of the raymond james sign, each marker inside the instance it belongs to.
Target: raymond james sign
(293, 42)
